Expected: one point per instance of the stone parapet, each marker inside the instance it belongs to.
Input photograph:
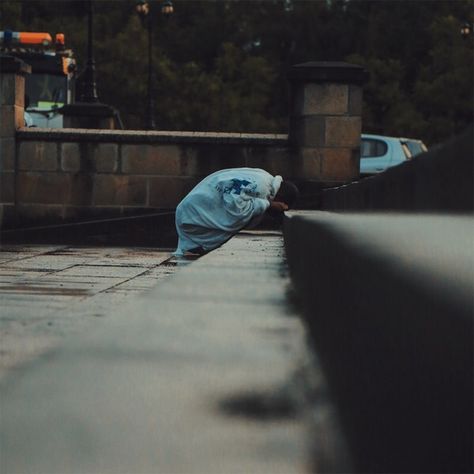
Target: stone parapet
(440, 180)
(151, 137)
(388, 301)
(65, 173)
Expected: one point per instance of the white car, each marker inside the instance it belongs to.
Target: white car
(378, 152)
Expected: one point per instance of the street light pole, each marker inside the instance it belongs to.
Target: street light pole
(145, 10)
(89, 93)
(88, 112)
(150, 109)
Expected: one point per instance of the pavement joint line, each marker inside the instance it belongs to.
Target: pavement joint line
(129, 279)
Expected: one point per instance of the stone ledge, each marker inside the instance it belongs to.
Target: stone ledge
(440, 180)
(146, 137)
(388, 300)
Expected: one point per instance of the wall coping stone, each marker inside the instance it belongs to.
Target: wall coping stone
(150, 137)
(327, 71)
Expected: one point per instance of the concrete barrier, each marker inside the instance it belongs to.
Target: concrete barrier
(439, 180)
(388, 300)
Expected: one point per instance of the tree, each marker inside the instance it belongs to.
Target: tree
(222, 65)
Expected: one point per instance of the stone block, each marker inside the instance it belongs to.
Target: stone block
(119, 190)
(276, 161)
(307, 131)
(355, 100)
(307, 163)
(7, 154)
(106, 158)
(12, 90)
(211, 158)
(323, 99)
(38, 156)
(151, 159)
(43, 188)
(70, 157)
(39, 214)
(339, 164)
(81, 190)
(11, 119)
(8, 215)
(166, 193)
(189, 162)
(7, 187)
(343, 131)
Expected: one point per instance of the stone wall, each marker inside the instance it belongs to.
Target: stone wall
(69, 174)
(54, 176)
(440, 180)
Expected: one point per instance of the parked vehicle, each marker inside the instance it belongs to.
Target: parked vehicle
(50, 85)
(378, 152)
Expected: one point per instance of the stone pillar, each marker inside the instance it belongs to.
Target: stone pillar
(325, 121)
(12, 109)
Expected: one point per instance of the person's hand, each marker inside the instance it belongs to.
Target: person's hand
(278, 206)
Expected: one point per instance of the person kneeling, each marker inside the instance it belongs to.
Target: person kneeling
(226, 202)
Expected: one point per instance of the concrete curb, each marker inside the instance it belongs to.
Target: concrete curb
(388, 300)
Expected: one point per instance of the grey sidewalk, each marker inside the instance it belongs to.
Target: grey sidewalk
(48, 292)
(199, 375)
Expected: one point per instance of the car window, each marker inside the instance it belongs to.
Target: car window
(415, 147)
(406, 150)
(370, 148)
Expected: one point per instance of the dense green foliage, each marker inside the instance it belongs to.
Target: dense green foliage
(222, 65)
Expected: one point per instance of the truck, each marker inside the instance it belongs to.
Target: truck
(51, 83)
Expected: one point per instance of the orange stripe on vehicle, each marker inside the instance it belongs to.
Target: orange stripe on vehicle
(35, 38)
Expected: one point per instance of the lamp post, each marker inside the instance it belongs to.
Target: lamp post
(145, 10)
(88, 112)
(89, 92)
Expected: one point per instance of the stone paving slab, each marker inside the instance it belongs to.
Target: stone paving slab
(194, 376)
(48, 292)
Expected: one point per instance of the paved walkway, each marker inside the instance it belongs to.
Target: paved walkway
(204, 373)
(49, 292)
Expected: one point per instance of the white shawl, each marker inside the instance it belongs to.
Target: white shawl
(221, 205)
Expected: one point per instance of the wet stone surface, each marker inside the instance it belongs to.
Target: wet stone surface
(206, 372)
(50, 292)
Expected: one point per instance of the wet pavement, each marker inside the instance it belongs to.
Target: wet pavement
(204, 371)
(50, 292)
